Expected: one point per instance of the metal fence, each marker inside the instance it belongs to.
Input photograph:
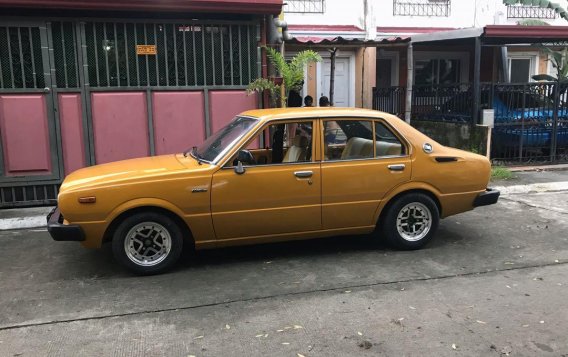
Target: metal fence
(390, 100)
(530, 12)
(443, 102)
(305, 6)
(531, 119)
(440, 8)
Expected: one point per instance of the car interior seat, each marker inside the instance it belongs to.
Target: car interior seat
(388, 149)
(297, 152)
(357, 148)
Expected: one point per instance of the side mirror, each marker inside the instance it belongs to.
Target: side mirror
(239, 169)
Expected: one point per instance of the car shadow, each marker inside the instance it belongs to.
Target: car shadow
(282, 250)
(100, 263)
(445, 238)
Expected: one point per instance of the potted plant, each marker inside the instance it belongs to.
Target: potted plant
(291, 74)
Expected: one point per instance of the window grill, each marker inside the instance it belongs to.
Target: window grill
(190, 54)
(305, 6)
(440, 8)
(64, 54)
(530, 12)
(21, 63)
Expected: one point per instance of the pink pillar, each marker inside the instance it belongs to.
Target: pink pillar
(71, 121)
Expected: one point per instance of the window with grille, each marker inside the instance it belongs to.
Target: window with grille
(305, 6)
(530, 12)
(21, 64)
(437, 71)
(64, 39)
(186, 54)
(439, 8)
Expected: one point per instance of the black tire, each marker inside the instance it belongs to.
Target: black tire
(422, 204)
(158, 227)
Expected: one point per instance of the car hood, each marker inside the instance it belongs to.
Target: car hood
(132, 170)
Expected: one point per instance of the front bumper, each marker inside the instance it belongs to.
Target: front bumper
(60, 231)
(489, 197)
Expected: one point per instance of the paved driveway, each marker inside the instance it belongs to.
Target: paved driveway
(493, 282)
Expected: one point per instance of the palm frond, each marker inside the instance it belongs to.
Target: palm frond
(259, 85)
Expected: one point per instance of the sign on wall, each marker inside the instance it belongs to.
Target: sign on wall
(143, 50)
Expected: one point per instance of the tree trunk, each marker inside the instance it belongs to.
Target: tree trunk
(332, 76)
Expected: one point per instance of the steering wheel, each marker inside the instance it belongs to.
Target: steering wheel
(246, 157)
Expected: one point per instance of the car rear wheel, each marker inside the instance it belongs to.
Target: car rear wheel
(147, 243)
(411, 221)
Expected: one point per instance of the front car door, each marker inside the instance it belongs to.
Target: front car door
(363, 160)
(280, 191)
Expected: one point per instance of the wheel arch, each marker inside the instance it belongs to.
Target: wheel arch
(404, 190)
(130, 208)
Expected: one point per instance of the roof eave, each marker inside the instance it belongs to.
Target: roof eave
(202, 6)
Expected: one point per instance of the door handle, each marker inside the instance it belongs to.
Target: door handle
(397, 167)
(303, 174)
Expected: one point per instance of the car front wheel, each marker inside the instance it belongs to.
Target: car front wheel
(147, 243)
(411, 221)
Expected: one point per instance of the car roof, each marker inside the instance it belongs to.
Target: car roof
(312, 112)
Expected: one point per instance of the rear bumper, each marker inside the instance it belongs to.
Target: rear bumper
(60, 231)
(489, 197)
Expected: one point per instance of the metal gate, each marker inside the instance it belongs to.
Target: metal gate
(79, 93)
(29, 167)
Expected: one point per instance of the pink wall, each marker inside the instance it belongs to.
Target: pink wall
(25, 134)
(71, 121)
(120, 126)
(178, 121)
(224, 105)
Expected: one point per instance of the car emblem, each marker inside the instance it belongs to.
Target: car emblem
(199, 189)
(427, 148)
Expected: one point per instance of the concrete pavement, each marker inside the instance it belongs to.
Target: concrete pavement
(493, 282)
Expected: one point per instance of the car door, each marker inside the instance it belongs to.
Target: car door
(279, 194)
(363, 160)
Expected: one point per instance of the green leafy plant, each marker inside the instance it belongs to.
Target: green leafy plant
(292, 72)
(501, 173)
(559, 60)
(263, 84)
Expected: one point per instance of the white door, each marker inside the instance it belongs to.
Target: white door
(341, 92)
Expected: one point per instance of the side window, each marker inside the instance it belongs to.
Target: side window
(348, 139)
(387, 143)
(277, 144)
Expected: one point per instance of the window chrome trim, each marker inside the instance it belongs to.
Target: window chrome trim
(279, 164)
(368, 158)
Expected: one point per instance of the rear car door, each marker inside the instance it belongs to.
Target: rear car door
(363, 160)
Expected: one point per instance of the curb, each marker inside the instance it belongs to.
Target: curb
(22, 223)
(533, 188)
(561, 167)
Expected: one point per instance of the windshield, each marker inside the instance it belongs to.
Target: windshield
(219, 143)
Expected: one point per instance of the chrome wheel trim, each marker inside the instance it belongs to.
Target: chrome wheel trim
(148, 244)
(414, 221)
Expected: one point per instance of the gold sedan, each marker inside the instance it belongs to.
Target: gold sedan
(273, 175)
